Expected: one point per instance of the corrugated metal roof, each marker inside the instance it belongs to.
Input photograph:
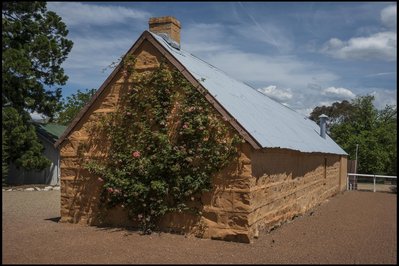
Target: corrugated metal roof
(272, 124)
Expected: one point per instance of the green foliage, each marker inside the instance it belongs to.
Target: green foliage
(374, 130)
(33, 48)
(338, 112)
(20, 144)
(72, 106)
(165, 144)
(4, 157)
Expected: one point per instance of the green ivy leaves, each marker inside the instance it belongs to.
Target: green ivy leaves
(166, 144)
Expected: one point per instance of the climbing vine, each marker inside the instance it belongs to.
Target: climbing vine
(165, 143)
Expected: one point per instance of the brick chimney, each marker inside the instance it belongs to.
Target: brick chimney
(166, 25)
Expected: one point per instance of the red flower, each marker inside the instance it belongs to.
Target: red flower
(136, 154)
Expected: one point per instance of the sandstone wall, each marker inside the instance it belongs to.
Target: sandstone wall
(225, 208)
(80, 190)
(288, 183)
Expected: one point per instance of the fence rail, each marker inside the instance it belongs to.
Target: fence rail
(367, 175)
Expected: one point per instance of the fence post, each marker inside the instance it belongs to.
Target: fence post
(374, 182)
(347, 182)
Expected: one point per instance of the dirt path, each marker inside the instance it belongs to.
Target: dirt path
(354, 227)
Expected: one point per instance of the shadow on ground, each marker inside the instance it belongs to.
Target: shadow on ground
(55, 219)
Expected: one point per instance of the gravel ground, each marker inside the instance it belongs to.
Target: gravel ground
(352, 228)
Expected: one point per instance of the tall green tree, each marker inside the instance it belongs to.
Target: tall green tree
(374, 130)
(34, 45)
(72, 105)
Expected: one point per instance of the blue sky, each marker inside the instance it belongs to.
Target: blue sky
(300, 54)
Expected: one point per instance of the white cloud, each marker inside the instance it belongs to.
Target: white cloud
(91, 55)
(81, 14)
(305, 99)
(381, 45)
(388, 16)
(277, 93)
(284, 71)
(92, 51)
(381, 74)
(338, 93)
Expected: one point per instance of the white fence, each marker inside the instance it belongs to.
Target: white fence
(348, 186)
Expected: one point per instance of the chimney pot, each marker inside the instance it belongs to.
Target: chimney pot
(323, 122)
(166, 25)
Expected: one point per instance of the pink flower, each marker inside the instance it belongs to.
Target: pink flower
(100, 179)
(185, 126)
(136, 154)
(128, 113)
(110, 189)
(191, 109)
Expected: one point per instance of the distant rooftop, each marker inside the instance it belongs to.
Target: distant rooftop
(51, 131)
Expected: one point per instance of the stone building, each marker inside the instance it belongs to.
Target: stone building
(286, 166)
